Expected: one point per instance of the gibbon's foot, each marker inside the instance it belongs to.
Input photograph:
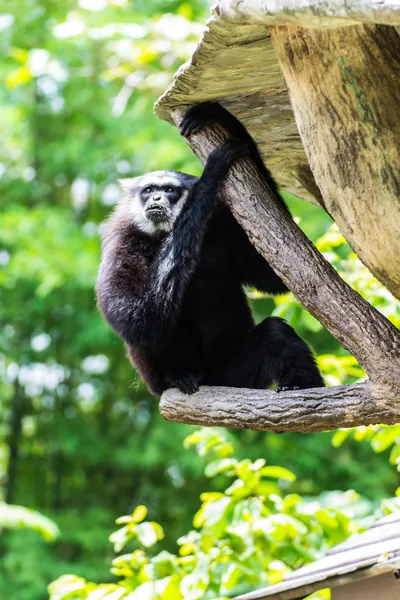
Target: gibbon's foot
(296, 380)
(200, 115)
(187, 383)
(286, 388)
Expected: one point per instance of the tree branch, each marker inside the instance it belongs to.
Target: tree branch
(359, 327)
(317, 409)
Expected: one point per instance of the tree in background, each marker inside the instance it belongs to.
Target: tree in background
(81, 440)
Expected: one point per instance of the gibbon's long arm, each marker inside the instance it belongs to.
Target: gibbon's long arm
(206, 113)
(143, 303)
(255, 271)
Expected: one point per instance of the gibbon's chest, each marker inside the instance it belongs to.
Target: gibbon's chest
(216, 275)
(215, 257)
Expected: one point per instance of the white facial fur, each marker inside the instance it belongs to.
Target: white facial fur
(133, 206)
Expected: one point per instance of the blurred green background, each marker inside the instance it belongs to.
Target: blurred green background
(81, 440)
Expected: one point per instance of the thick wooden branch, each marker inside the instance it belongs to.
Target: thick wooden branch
(365, 332)
(317, 409)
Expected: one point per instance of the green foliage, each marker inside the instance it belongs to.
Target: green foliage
(381, 438)
(19, 517)
(248, 535)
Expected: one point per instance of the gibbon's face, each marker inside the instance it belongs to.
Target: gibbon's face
(155, 200)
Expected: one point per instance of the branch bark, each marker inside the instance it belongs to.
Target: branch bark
(317, 409)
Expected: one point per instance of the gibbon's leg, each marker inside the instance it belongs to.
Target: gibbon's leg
(271, 352)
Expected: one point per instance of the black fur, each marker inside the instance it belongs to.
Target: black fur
(177, 298)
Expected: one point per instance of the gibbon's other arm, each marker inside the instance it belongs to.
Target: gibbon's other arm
(141, 302)
(255, 270)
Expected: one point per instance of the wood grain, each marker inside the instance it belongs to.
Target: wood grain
(345, 90)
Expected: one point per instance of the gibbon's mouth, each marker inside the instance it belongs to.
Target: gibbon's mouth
(157, 214)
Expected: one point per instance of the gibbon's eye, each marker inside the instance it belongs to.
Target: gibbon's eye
(147, 190)
(170, 190)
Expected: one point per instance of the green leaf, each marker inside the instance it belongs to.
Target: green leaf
(149, 533)
(219, 466)
(278, 473)
(340, 436)
(139, 514)
(19, 517)
(385, 438)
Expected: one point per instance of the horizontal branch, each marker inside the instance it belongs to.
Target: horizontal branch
(316, 409)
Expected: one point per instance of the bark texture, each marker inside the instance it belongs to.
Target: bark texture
(344, 86)
(303, 410)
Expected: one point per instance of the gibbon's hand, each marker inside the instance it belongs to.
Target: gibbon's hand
(200, 115)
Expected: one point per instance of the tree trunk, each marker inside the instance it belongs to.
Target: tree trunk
(344, 87)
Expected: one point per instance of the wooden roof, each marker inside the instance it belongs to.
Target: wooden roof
(235, 63)
(364, 555)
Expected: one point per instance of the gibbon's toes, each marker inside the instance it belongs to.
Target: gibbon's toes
(187, 387)
(286, 388)
(187, 384)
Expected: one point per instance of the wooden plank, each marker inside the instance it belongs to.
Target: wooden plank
(291, 591)
(385, 531)
(383, 587)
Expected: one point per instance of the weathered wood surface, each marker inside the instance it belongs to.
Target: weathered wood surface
(302, 589)
(238, 66)
(313, 13)
(316, 409)
(384, 586)
(345, 91)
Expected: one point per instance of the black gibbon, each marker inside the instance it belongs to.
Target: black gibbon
(174, 262)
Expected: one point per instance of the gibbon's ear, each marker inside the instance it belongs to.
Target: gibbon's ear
(126, 184)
